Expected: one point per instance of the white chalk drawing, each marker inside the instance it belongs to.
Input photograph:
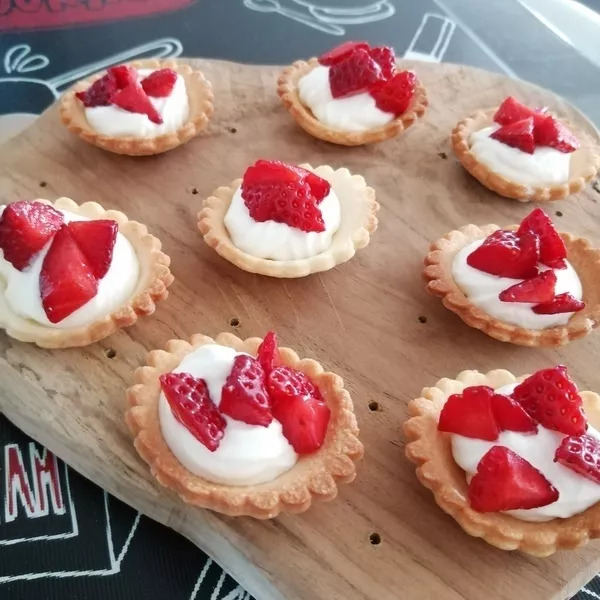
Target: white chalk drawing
(321, 15)
(238, 593)
(425, 45)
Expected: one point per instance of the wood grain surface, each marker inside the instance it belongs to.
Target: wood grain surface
(370, 320)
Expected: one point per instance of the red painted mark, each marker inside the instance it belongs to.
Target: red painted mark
(16, 485)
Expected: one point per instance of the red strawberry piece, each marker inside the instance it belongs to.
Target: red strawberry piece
(563, 303)
(133, 98)
(552, 249)
(123, 75)
(507, 254)
(511, 110)
(100, 93)
(341, 52)
(581, 453)
(160, 83)
(537, 289)
(192, 406)
(244, 396)
(517, 135)
(268, 354)
(25, 228)
(511, 416)
(470, 414)
(549, 131)
(551, 398)
(395, 94)
(67, 281)
(506, 481)
(299, 407)
(385, 57)
(96, 239)
(353, 75)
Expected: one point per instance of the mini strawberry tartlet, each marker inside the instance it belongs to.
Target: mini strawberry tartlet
(524, 153)
(289, 221)
(527, 284)
(514, 461)
(71, 275)
(146, 107)
(352, 95)
(243, 427)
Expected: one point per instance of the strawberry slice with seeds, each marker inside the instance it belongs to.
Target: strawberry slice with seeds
(268, 354)
(538, 289)
(507, 254)
(385, 57)
(299, 406)
(160, 83)
(123, 75)
(96, 239)
(341, 52)
(511, 416)
(470, 414)
(134, 99)
(244, 396)
(552, 399)
(25, 228)
(563, 303)
(553, 251)
(67, 281)
(100, 93)
(580, 453)
(395, 95)
(192, 406)
(517, 135)
(506, 481)
(511, 110)
(549, 131)
(353, 75)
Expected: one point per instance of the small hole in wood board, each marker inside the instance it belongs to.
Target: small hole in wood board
(375, 539)
(558, 213)
(194, 191)
(422, 319)
(110, 353)
(232, 130)
(235, 322)
(373, 405)
(43, 184)
(443, 155)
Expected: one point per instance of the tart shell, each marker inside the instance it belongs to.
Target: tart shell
(200, 99)
(154, 279)
(431, 451)
(313, 477)
(440, 282)
(287, 88)
(358, 222)
(584, 164)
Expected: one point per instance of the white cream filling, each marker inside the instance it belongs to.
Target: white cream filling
(576, 493)
(483, 290)
(115, 121)
(279, 241)
(247, 454)
(354, 113)
(22, 291)
(546, 166)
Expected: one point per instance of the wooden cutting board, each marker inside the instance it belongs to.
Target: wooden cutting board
(369, 320)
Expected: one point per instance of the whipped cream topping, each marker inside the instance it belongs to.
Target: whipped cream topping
(546, 166)
(354, 113)
(279, 241)
(115, 121)
(22, 290)
(247, 454)
(576, 493)
(483, 289)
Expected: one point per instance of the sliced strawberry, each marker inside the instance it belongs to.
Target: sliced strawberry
(268, 354)
(385, 57)
(517, 135)
(67, 281)
(160, 83)
(341, 52)
(96, 239)
(353, 75)
(507, 254)
(395, 94)
(581, 453)
(25, 228)
(299, 407)
(553, 251)
(319, 187)
(549, 131)
(123, 75)
(511, 416)
(537, 289)
(100, 92)
(511, 110)
(133, 98)
(190, 402)
(506, 481)
(551, 398)
(470, 414)
(563, 303)
(244, 396)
